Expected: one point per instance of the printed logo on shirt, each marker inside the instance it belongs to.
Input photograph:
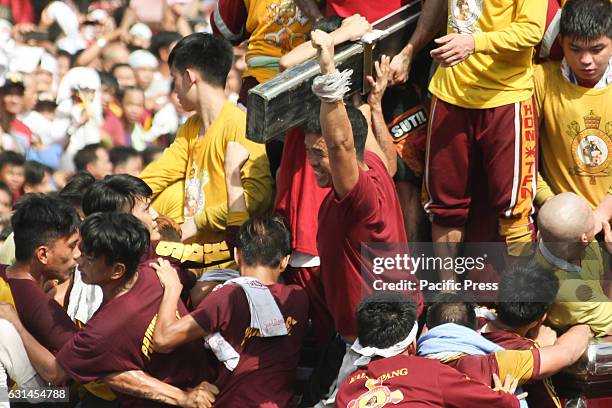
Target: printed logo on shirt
(591, 147)
(464, 15)
(377, 396)
(286, 25)
(251, 332)
(147, 342)
(195, 199)
(408, 123)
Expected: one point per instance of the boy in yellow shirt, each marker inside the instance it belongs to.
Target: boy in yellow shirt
(188, 181)
(573, 100)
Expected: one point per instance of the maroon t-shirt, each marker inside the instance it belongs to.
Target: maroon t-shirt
(42, 316)
(542, 393)
(370, 213)
(265, 375)
(411, 381)
(118, 338)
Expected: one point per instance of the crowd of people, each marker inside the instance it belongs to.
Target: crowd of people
(152, 254)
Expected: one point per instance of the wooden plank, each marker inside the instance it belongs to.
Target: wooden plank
(281, 103)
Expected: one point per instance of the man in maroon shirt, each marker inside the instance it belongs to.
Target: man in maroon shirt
(112, 347)
(46, 237)
(390, 373)
(264, 375)
(362, 207)
(525, 294)
(452, 324)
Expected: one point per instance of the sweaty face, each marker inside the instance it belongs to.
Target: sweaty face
(316, 153)
(62, 257)
(588, 59)
(13, 176)
(147, 215)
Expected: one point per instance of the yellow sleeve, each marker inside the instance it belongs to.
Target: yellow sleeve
(525, 31)
(585, 303)
(172, 165)
(516, 363)
(6, 296)
(539, 79)
(237, 218)
(257, 184)
(543, 191)
(7, 250)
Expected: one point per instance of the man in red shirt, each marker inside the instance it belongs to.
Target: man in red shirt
(390, 373)
(112, 246)
(260, 369)
(361, 208)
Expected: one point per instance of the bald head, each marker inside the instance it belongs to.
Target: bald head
(566, 218)
(114, 53)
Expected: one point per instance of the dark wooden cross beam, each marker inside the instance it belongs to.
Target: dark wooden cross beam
(281, 103)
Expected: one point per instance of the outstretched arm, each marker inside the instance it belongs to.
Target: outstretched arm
(381, 131)
(335, 125)
(142, 385)
(352, 29)
(432, 21)
(566, 351)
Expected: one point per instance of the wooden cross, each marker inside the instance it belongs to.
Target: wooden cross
(280, 104)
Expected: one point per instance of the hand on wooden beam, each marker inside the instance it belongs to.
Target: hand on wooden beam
(324, 44)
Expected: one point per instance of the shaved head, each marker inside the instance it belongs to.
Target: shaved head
(567, 218)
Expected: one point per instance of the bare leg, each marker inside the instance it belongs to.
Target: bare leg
(415, 220)
(446, 245)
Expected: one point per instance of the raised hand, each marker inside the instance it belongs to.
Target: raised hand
(167, 275)
(324, 44)
(378, 86)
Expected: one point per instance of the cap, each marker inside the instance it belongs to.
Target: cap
(142, 31)
(142, 59)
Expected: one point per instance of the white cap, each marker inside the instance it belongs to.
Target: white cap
(142, 59)
(48, 63)
(98, 15)
(142, 31)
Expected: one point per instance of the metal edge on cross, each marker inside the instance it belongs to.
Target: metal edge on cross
(280, 104)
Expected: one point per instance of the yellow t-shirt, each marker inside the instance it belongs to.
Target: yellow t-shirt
(500, 70)
(581, 299)
(197, 162)
(575, 136)
(276, 27)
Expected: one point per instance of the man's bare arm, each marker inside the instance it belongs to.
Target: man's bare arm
(432, 21)
(566, 351)
(352, 29)
(381, 131)
(335, 125)
(140, 384)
